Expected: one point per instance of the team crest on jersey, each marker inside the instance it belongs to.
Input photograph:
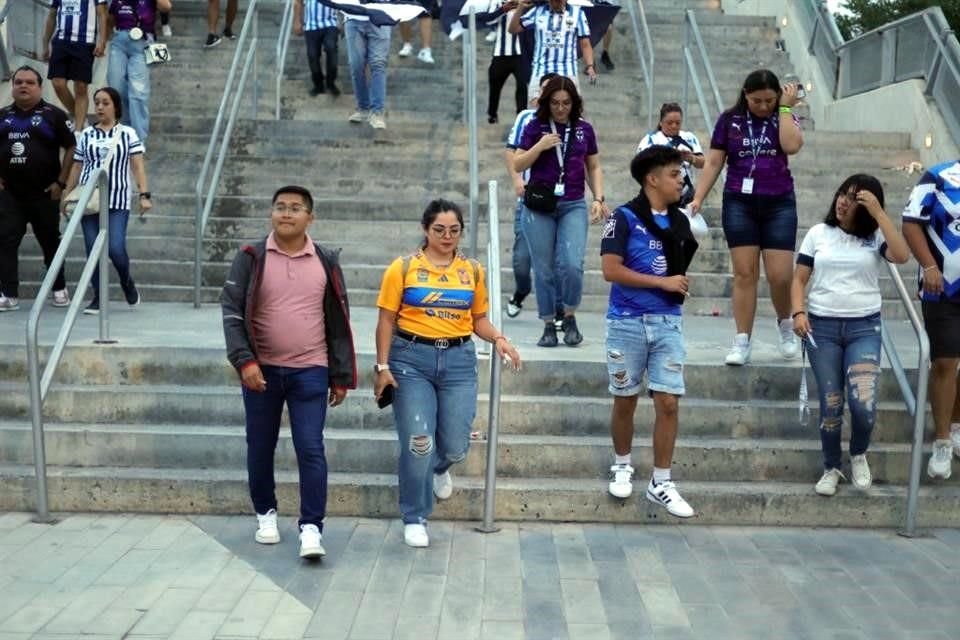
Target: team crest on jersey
(36, 120)
(609, 228)
(422, 275)
(464, 276)
(579, 134)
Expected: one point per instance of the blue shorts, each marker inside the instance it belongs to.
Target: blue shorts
(651, 343)
(752, 220)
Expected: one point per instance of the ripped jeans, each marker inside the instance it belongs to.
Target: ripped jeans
(846, 365)
(433, 407)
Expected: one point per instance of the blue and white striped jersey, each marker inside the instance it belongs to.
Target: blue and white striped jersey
(506, 44)
(513, 138)
(557, 37)
(935, 204)
(76, 20)
(92, 150)
(318, 16)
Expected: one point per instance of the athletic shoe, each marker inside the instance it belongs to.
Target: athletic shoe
(491, 36)
(311, 542)
(954, 438)
(93, 308)
(607, 62)
(827, 485)
(334, 89)
(415, 535)
(212, 41)
(514, 306)
(739, 353)
(166, 31)
(939, 465)
(228, 33)
(406, 50)
(9, 304)
(492, 120)
(442, 485)
(267, 532)
(377, 121)
(549, 337)
(131, 294)
(425, 55)
(666, 495)
(621, 481)
(61, 298)
(861, 472)
(315, 91)
(359, 116)
(571, 334)
(789, 345)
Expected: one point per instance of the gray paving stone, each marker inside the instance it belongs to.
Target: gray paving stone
(578, 631)
(334, 617)
(423, 597)
(199, 625)
(543, 614)
(167, 612)
(582, 602)
(377, 616)
(502, 630)
(417, 628)
(691, 585)
(604, 544)
(251, 614)
(461, 616)
(502, 597)
(83, 609)
(574, 559)
(663, 606)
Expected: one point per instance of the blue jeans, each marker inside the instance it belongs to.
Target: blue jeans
(433, 407)
(846, 362)
(117, 248)
(128, 73)
(557, 243)
(368, 46)
(523, 285)
(305, 393)
(651, 343)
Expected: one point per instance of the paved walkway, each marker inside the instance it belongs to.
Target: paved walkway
(112, 577)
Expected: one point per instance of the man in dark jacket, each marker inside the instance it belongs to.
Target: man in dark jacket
(287, 327)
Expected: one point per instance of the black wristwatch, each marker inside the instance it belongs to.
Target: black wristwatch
(145, 194)
(63, 185)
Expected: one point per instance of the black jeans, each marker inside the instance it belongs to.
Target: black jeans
(502, 67)
(43, 214)
(322, 41)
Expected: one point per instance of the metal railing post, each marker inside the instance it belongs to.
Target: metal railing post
(104, 275)
(36, 421)
(496, 316)
(472, 141)
(256, 76)
(684, 96)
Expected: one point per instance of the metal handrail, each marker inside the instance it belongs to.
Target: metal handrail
(496, 316)
(39, 382)
(916, 403)
(692, 30)
(473, 161)
(638, 20)
(283, 44)
(205, 203)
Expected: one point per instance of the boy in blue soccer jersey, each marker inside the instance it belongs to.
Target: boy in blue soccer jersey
(931, 226)
(645, 250)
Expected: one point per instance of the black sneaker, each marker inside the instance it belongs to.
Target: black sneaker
(333, 89)
(212, 41)
(607, 62)
(228, 33)
(131, 294)
(315, 91)
(492, 119)
(549, 337)
(514, 306)
(93, 308)
(571, 334)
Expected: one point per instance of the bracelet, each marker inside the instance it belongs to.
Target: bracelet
(786, 109)
(933, 266)
(601, 200)
(796, 313)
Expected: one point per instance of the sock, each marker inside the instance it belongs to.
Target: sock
(619, 459)
(660, 475)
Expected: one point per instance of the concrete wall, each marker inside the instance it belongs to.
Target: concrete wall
(900, 107)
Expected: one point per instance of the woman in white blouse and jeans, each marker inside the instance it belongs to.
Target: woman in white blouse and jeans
(841, 321)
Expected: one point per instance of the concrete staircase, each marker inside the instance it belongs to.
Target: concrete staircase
(156, 424)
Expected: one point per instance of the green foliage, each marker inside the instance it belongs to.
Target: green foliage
(866, 15)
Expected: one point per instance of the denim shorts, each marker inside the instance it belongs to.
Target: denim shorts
(752, 220)
(651, 343)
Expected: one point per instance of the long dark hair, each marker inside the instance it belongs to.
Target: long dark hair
(434, 209)
(114, 98)
(668, 107)
(863, 223)
(757, 81)
(560, 83)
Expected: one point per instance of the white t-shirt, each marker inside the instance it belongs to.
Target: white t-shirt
(846, 269)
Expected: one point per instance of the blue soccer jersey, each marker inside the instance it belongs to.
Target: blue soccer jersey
(935, 204)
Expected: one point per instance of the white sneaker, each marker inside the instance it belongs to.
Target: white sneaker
(491, 36)
(513, 308)
(939, 465)
(426, 56)
(406, 50)
(666, 495)
(442, 485)
(359, 116)
(739, 353)
(955, 440)
(166, 31)
(377, 121)
(61, 298)
(9, 304)
(415, 535)
(621, 481)
(827, 485)
(267, 532)
(311, 542)
(861, 472)
(789, 346)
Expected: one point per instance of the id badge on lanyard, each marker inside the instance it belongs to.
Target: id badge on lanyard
(746, 187)
(559, 189)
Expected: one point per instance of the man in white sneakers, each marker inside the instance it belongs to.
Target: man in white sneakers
(645, 250)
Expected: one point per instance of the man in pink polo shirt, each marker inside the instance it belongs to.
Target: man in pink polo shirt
(287, 327)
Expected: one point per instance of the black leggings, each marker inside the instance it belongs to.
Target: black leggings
(502, 67)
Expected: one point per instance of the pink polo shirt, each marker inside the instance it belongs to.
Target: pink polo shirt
(288, 321)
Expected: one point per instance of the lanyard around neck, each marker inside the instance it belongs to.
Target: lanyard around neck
(755, 143)
(562, 149)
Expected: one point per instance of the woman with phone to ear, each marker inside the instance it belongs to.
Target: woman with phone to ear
(431, 303)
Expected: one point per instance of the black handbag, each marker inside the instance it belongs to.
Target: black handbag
(540, 198)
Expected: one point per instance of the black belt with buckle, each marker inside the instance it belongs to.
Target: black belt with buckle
(439, 343)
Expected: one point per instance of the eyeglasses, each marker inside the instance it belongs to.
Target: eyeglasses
(561, 103)
(849, 196)
(446, 232)
(295, 209)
